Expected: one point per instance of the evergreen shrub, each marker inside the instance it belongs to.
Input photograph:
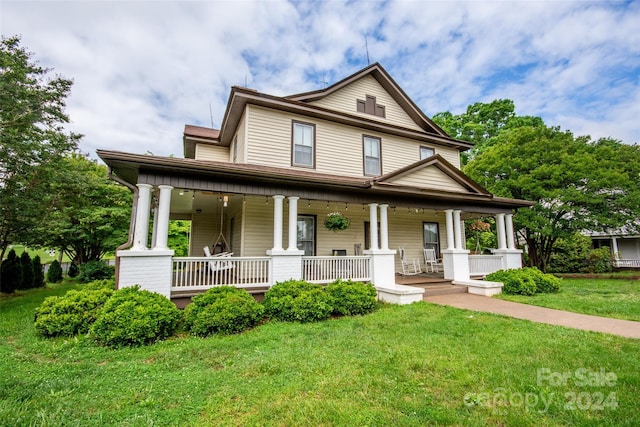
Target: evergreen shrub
(26, 265)
(297, 300)
(72, 313)
(54, 274)
(73, 270)
(11, 273)
(222, 310)
(525, 281)
(351, 298)
(38, 272)
(95, 270)
(134, 317)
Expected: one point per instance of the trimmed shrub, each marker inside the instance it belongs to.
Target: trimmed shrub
(575, 255)
(133, 317)
(72, 313)
(525, 281)
(297, 300)
(95, 270)
(27, 271)
(54, 274)
(599, 261)
(351, 298)
(38, 272)
(73, 270)
(222, 310)
(11, 273)
(101, 284)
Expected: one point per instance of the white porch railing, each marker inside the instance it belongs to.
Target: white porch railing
(326, 269)
(627, 263)
(485, 264)
(198, 273)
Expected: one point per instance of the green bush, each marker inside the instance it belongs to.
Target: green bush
(222, 310)
(73, 270)
(10, 273)
(575, 255)
(72, 313)
(297, 300)
(101, 284)
(54, 274)
(351, 298)
(27, 271)
(599, 261)
(95, 270)
(133, 317)
(38, 272)
(525, 281)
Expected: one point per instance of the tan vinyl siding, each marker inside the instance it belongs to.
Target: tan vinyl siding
(406, 230)
(258, 226)
(430, 178)
(204, 230)
(240, 137)
(345, 99)
(338, 147)
(212, 153)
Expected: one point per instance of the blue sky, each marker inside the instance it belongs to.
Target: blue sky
(144, 69)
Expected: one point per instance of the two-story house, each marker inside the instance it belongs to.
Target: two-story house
(261, 187)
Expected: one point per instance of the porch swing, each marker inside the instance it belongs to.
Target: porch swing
(221, 245)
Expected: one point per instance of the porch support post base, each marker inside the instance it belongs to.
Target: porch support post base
(399, 294)
(149, 269)
(456, 264)
(511, 258)
(285, 265)
(383, 268)
(480, 287)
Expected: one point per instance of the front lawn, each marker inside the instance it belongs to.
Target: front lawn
(618, 298)
(402, 365)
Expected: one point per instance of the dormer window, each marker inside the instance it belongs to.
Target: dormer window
(369, 106)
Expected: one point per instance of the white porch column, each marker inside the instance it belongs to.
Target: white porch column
(293, 223)
(614, 247)
(502, 242)
(141, 231)
(154, 231)
(277, 222)
(457, 229)
(373, 225)
(449, 226)
(384, 227)
(161, 221)
(511, 243)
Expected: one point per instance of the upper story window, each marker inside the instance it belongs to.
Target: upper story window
(370, 106)
(426, 152)
(372, 156)
(303, 140)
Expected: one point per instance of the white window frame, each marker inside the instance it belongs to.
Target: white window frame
(307, 145)
(368, 157)
(425, 148)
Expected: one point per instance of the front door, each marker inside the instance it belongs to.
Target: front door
(307, 234)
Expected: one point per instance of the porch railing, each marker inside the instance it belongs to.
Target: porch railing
(326, 269)
(485, 264)
(198, 273)
(627, 263)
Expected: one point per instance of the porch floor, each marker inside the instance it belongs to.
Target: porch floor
(432, 283)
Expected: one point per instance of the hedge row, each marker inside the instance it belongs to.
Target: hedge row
(132, 317)
(525, 281)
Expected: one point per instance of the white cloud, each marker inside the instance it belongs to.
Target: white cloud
(143, 69)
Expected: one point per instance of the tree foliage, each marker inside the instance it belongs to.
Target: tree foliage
(579, 184)
(32, 139)
(90, 213)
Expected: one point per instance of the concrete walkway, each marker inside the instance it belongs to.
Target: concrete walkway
(624, 328)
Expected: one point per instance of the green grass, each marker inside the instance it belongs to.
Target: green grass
(402, 365)
(617, 298)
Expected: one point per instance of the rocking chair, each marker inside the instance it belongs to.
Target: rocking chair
(409, 268)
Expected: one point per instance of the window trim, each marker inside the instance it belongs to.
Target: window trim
(315, 231)
(428, 148)
(438, 243)
(364, 156)
(293, 144)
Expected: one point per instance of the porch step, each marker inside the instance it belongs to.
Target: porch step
(443, 287)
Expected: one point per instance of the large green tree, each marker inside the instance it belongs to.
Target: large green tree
(32, 140)
(90, 213)
(579, 184)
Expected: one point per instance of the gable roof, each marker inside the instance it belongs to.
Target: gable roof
(432, 173)
(376, 71)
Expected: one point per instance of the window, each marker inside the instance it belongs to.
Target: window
(426, 152)
(372, 158)
(430, 237)
(303, 144)
(307, 234)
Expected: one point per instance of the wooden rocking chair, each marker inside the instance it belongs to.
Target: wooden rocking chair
(409, 268)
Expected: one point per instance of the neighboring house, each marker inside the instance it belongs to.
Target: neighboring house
(262, 185)
(624, 245)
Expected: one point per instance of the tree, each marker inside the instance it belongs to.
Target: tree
(54, 274)
(32, 139)
(26, 265)
(178, 238)
(579, 184)
(90, 213)
(11, 273)
(38, 272)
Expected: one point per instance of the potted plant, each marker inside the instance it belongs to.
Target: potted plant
(335, 221)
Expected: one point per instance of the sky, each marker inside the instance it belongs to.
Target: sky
(144, 69)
